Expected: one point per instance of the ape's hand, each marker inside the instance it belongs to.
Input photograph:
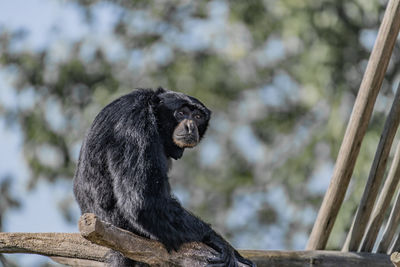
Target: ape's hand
(228, 256)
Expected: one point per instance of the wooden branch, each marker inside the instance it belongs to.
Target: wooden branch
(375, 180)
(357, 127)
(52, 244)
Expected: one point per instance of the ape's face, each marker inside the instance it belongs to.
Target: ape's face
(186, 133)
(182, 121)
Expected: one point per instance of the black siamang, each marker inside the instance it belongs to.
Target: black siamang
(123, 164)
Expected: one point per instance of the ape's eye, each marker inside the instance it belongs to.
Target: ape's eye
(180, 114)
(198, 117)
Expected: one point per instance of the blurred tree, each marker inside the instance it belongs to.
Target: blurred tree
(280, 76)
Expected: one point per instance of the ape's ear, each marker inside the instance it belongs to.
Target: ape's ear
(160, 90)
(155, 99)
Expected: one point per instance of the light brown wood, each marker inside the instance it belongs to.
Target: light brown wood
(375, 180)
(52, 244)
(392, 224)
(357, 126)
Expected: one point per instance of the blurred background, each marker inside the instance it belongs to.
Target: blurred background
(281, 78)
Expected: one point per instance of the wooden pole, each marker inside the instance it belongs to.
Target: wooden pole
(383, 203)
(396, 245)
(392, 224)
(361, 114)
(373, 184)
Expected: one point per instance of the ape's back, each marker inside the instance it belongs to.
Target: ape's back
(107, 138)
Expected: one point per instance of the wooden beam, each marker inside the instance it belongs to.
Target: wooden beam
(356, 128)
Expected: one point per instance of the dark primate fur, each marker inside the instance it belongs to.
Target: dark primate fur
(122, 173)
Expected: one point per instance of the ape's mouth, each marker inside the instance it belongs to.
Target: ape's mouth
(186, 140)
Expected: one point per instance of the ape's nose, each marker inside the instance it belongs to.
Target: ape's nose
(189, 126)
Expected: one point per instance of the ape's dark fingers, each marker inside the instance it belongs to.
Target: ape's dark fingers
(222, 259)
(244, 260)
(226, 260)
(215, 262)
(247, 262)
